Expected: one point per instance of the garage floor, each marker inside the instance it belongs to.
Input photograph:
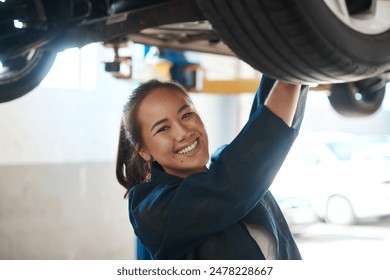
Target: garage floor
(369, 239)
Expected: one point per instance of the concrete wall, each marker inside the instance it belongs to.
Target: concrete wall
(63, 211)
(59, 196)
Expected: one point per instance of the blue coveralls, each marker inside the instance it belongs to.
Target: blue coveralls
(203, 216)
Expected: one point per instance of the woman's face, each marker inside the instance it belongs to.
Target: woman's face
(173, 133)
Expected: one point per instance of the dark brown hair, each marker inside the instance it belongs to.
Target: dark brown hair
(131, 168)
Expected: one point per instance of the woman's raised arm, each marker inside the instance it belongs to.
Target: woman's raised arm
(283, 100)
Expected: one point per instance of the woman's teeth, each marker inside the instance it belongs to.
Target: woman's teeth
(188, 149)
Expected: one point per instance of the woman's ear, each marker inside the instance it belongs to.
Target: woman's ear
(145, 155)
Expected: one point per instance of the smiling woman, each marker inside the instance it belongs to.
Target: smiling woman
(173, 133)
(146, 129)
(179, 208)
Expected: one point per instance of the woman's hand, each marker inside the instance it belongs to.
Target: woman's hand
(283, 100)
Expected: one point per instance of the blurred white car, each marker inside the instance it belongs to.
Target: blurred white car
(299, 213)
(377, 151)
(325, 169)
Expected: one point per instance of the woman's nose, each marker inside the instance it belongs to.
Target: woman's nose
(182, 132)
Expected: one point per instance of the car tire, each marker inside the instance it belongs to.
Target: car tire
(298, 41)
(356, 99)
(339, 211)
(22, 74)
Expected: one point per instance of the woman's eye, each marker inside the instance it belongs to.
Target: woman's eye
(187, 115)
(162, 129)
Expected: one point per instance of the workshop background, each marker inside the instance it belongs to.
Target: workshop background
(59, 195)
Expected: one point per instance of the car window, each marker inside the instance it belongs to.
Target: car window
(344, 150)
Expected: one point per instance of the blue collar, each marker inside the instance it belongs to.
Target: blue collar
(161, 177)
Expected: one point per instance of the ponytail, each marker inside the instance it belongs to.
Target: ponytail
(131, 168)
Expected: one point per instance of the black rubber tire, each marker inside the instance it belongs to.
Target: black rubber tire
(358, 99)
(297, 41)
(17, 82)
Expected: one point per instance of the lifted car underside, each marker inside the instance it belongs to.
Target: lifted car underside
(297, 41)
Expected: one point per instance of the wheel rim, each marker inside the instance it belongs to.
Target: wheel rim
(370, 90)
(364, 16)
(16, 68)
(360, 98)
(339, 211)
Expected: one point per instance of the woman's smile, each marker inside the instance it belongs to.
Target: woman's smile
(189, 149)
